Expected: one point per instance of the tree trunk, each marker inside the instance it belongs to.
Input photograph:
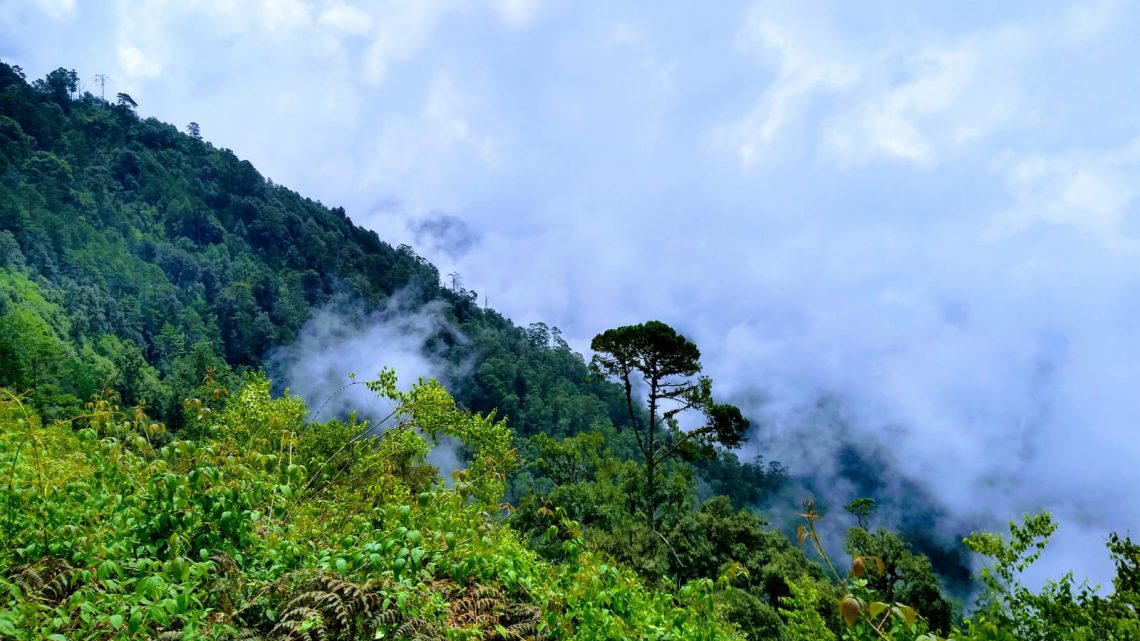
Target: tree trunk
(651, 455)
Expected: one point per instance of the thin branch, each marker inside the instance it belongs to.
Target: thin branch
(678, 443)
(322, 466)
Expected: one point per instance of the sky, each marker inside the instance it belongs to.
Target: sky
(928, 211)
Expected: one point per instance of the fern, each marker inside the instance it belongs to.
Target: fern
(49, 580)
(482, 608)
(325, 605)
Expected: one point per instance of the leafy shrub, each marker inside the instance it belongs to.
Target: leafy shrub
(270, 527)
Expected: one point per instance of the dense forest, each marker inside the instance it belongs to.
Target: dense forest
(156, 484)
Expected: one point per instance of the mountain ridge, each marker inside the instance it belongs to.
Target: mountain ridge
(145, 226)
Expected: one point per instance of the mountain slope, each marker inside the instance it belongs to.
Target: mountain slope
(154, 257)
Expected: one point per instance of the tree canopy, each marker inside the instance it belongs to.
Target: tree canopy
(667, 363)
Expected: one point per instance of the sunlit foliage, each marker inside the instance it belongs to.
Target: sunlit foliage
(272, 527)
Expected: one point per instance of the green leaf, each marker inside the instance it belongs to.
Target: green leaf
(908, 614)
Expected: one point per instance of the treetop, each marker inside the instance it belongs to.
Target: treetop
(652, 346)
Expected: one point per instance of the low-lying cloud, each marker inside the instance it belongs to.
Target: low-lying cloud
(341, 339)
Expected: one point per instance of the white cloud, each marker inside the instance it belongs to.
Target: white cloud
(138, 64)
(336, 342)
(915, 97)
(402, 28)
(283, 15)
(412, 153)
(623, 35)
(516, 13)
(1092, 193)
(806, 62)
(445, 112)
(346, 19)
(57, 8)
(897, 122)
(1084, 21)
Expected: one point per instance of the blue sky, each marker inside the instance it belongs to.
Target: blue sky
(926, 209)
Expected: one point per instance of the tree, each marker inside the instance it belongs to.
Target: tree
(899, 575)
(59, 85)
(1007, 609)
(194, 130)
(733, 546)
(668, 364)
(861, 508)
(125, 100)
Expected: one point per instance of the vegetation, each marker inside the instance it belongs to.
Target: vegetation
(270, 527)
(665, 361)
(154, 485)
(139, 258)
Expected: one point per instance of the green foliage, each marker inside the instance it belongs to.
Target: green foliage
(578, 478)
(666, 362)
(113, 529)
(861, 508)
(736, 547)
(899, 575)
(197, 265)
(36, 352)
(866, 610)
(746, 484)
(802, 608)
(1009, 610)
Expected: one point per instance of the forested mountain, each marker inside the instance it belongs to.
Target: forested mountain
(154, 488)
(152, 256)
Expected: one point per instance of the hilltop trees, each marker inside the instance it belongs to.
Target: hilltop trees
(59, 86)
(668, 365)
(124, 237)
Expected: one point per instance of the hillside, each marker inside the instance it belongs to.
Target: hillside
(155, 487)
(159, 256)
(141, 259)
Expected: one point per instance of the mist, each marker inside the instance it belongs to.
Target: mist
(342, 343)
